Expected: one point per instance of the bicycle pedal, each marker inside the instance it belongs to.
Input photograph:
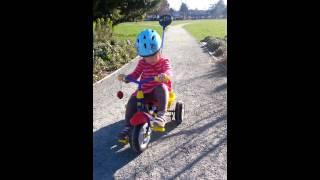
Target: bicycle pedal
(123, 141)
(158, 128)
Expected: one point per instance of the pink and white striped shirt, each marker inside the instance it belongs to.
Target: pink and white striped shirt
(145, 70)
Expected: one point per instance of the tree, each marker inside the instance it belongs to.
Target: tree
(218, 9)
(162, 8)
(171, 11)
(184, 9)
(225, 12)
(124, 10)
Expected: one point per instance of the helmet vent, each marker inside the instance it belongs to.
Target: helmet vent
(152, 37)
(145, 46)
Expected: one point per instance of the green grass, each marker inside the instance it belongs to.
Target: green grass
(198, 28)
(202, 28)
(130, 30)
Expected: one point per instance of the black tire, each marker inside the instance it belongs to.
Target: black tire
(179, 112)
(134, 139)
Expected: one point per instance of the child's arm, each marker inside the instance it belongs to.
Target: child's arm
(167, 68)
(137, 72)
(167, 71)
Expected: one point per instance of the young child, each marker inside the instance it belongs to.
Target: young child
(152, 64)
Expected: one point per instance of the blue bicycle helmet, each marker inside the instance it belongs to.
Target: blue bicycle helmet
(148, 43)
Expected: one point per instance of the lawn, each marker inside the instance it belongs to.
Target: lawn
(130, 30)
(197, 28)
(202, 28)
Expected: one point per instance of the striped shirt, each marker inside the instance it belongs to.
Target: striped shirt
(145, 70)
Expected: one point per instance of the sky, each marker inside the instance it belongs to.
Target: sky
(193, 4)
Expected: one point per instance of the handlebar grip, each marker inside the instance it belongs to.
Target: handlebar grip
(166, 78)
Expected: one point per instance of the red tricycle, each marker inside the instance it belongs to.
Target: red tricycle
(142, 120)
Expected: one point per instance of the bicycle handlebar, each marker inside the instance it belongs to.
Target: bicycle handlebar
(156, 78)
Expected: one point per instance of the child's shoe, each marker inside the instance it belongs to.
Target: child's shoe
(123, 136)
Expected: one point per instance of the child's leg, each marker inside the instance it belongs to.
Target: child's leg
(131, 109)
(161, 93)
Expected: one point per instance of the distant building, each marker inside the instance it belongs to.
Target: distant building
(177, 15)
(192, 14)
(151, 17)
(198, 14)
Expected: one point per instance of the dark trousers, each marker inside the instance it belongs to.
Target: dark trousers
(159, 93)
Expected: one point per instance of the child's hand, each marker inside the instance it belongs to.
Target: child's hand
(163, 77)
(121, 77)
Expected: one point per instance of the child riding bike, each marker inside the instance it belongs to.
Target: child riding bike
(152, 64)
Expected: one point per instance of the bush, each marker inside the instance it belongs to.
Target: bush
(102, 30)
(110, 57)
(213, 44)
(219, 51)
(218, 46)
(109, 53)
